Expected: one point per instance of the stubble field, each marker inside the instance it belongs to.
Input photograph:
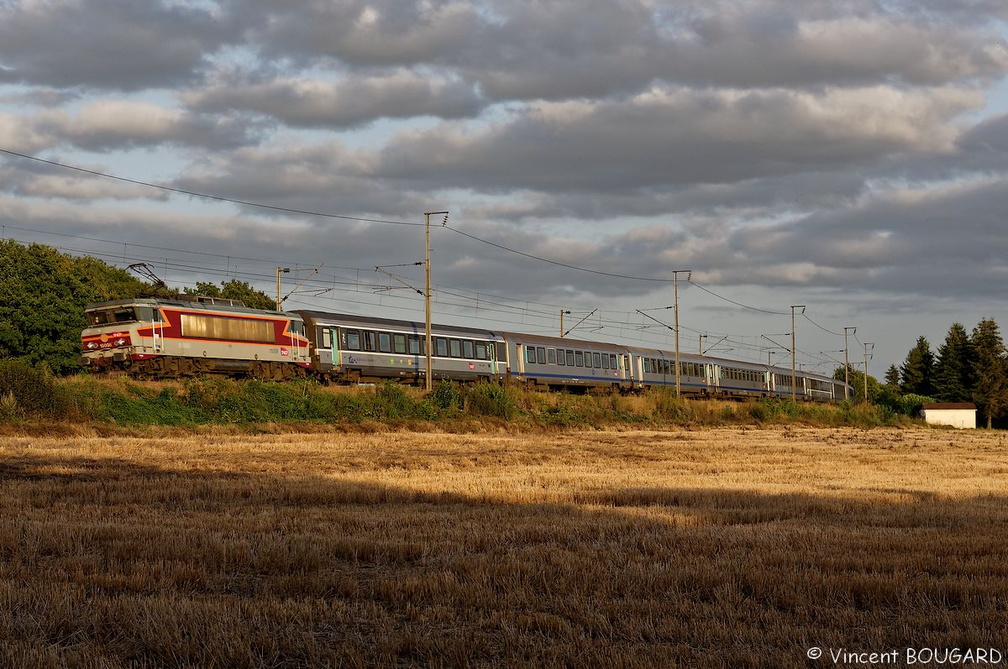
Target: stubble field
(715, 547)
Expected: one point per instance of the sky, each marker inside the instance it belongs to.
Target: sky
(848, 156)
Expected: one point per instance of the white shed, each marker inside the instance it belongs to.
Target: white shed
(956, 414)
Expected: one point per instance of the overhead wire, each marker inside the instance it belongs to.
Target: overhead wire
(306, 212)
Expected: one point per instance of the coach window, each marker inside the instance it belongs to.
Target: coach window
(326, 338)
(647, 365)
(579, 358)
(399, 343)
(605, 361)
(370, 341)
(384, 342)
(441, 347)
(613, 361)
(597, 359)
(455, 348)
(481, 351)
(569, 354)
(467, 349)
(551, 356)
(414, 345)
(353, 340)
(541, 355)
(530, 354)
(561, 358)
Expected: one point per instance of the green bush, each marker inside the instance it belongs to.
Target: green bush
(491, 399)
(447, 397)
(28, 391)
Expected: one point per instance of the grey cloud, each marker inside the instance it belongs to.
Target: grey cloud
(570, 49)
(347, 102)
(681, 137)
(382, 33)
(116, 124)
(105, 44)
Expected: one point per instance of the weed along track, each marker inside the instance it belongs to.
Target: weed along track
(718, 547)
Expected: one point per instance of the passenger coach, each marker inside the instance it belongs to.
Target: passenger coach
(358, 348)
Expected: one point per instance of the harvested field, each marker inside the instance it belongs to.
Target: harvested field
(715, 547)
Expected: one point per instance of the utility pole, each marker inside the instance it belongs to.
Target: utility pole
(846, 362)
(562, 312)
(794, 374)
(427, 293)
(675, 293)
(867, 344)
(285, 270)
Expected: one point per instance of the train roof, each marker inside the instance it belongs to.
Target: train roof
(200, 302)
(562, 342)
(328, 318)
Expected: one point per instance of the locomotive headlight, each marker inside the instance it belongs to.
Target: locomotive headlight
(92, 346)
(120, 342)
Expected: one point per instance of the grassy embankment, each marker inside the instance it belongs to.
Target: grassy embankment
(715, 547)
(28, 394)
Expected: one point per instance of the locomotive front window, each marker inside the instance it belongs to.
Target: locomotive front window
(118, 315)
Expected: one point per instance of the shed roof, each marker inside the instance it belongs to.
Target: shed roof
(949, 405)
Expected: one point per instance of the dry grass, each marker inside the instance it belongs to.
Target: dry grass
(726, 547)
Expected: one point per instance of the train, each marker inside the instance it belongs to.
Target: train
(190, 335)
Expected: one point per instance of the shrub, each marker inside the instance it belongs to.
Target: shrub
(491, 399)
(28, 391)
(447, 397)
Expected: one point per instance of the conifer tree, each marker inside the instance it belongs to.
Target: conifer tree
(917, 369)
(990, 390)
(952, 372)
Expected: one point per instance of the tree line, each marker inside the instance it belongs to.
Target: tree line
(967, 367)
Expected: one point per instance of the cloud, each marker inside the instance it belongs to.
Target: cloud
(105, 44)
(682, 137)
(348, 102)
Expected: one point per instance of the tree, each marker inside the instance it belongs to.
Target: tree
(42, 297)
(892, 376)
(952, 380)
(235, 290)
(917, 369)
(990, 389)
(857, 381)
